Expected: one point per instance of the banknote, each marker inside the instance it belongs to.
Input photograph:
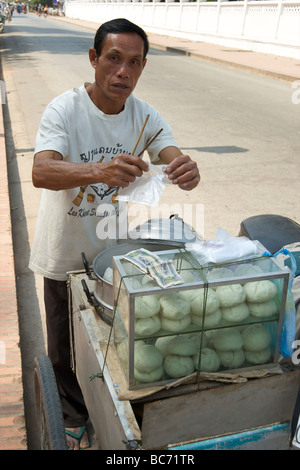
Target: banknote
(165, 274)
(142, 258)
(162, 271)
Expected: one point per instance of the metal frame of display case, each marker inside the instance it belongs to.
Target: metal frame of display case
(119, 272)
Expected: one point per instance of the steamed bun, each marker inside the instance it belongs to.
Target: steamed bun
(198, 305)
(146, 306)
(211, 320)
(148, 362)
(147, 357)
(181, 346)
(230, 295)
(210, 361)
(229, 339)
(147, 326)
(258, 357)
(236, 313)
(174, 306)
(175, 325)
(263, 309)
(260, 291)
(232, 359)
(256, 338)
(178, 366)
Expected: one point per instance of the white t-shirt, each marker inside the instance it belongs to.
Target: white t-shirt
(73, 126)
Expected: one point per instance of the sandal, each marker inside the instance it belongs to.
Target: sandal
(77, 436)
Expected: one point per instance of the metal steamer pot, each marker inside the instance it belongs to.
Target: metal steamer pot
(168, 234)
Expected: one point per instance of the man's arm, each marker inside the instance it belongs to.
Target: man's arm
(181, 169)
(50, 171)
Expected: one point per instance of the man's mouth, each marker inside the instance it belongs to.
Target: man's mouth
(120, 86)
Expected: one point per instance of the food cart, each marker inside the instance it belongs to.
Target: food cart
(239, 398)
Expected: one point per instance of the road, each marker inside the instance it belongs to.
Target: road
(242, 129)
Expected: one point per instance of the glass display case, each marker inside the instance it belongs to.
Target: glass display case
(217, 318)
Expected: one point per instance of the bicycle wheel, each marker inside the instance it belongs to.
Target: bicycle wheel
(49, 413)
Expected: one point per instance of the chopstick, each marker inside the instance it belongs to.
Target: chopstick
(150, 142)
(139, 137)
(114, 197)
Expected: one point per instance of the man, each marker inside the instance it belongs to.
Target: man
(83, 150)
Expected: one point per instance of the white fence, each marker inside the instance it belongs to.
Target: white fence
(262, 26)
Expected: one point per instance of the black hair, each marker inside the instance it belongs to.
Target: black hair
(116, 26)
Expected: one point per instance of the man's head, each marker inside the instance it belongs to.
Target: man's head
(116, 26)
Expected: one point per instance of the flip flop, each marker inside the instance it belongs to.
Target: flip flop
(77, 436)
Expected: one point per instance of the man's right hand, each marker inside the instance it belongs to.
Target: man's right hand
(122, 170)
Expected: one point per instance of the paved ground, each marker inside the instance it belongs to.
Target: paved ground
(283, 68)
(12, 426)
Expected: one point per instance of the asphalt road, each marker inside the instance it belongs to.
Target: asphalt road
(242, 129)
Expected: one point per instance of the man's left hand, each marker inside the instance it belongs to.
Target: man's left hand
(184, 172)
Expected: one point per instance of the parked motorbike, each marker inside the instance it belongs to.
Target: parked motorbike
(2, 22)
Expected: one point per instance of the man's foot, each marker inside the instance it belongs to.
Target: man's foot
(77, 438)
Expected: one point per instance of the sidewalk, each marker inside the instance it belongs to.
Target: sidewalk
(12, 421)
(280, 68)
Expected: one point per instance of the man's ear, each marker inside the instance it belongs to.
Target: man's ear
(144, 63)
(93, 57)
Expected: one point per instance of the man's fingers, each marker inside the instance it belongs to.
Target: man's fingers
(184, 172)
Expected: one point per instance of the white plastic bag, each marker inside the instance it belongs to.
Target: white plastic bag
(146, 189)
(225, 248)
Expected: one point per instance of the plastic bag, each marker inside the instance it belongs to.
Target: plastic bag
(146, 189)
(289, 320)
(225, 248)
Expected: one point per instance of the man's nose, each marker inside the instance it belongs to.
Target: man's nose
(123, 70)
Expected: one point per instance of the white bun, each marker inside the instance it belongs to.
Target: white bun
(147, 358)
(146, 306)
(178, 366)
(232, 359)
(236, 313)
(263, 309)
(198, 305)
(175, 325)
(181, 346)
(148, 377)
(258, 357)
(256, 338)
(230, 295)
(209, 320)
(108, 275)
(162, 342)
(174, 306)
(248, 270)
(229, 339)
(210, 361)
(219, 273)
(147, 326)
(260, 291)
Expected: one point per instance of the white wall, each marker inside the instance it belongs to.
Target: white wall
(263, 26)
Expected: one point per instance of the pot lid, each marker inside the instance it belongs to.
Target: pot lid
(166, 230)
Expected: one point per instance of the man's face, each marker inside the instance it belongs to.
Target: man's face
(117, 70)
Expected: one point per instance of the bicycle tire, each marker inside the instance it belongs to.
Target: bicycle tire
(49, 414)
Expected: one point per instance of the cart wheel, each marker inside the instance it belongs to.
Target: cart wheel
(49, 413)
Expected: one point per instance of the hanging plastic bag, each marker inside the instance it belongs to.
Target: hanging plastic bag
(146, 189)
(289, 320)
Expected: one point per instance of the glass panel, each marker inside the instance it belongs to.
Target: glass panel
(221, 318)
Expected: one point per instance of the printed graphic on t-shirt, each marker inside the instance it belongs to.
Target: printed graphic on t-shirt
(94, 194)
